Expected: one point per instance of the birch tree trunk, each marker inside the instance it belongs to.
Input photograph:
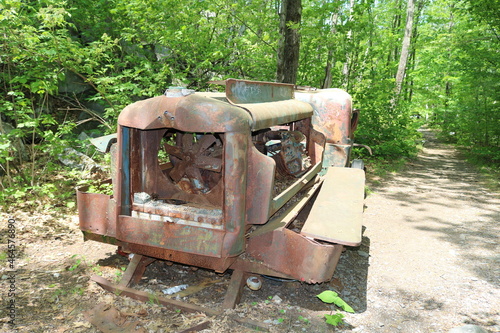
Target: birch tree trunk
(405, 48)
(327, 82)
(347, 63)
(289, 45)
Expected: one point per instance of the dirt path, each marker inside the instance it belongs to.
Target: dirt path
(432, 232)
(429, 262)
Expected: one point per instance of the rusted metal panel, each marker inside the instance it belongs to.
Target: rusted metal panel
(332, 113)
(180, 214)
(244, 91)
(336, 216)
(333, 117)
(261, 170)
(170, 236)
(269, 114)
(95, 213)
(193, 113)
(295, 255)
(217, 264)
(87, 235)
(236, 167)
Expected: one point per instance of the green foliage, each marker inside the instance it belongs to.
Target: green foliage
(331, 297)
(334, 319)
(104, 188)
(153, 299)
(119, 52)
(77, 263)
(459, 54)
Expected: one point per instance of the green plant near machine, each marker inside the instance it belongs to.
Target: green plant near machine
(57, 293)
(96, 269)
(81, 262)
(60, 291)
(119, 273)
(77, 290)
(331, 297)
(104, 188)
(77, 263)
(153, 299)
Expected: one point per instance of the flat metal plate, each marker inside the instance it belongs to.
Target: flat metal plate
(243, 91)
(103, 143)
(336, 215)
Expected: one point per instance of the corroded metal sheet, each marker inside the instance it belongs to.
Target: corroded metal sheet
(295, 255)
(171, 236)
(244, 91)
(332, 113)
(269, 104)
(333, 117)
(217, 264)
(171, 213)
(265, 115)
(337, 212)
(261, 170)
(96, 213)
(103, 143)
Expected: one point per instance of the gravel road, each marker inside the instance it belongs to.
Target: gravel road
(430, 256)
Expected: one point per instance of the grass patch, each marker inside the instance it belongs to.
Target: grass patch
(379, 169)
(487, 164)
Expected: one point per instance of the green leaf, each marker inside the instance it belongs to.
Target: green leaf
(27, 124)
(334, 319)
(341, 303)
(329, 296)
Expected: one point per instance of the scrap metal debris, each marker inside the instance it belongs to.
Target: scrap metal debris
(174, 290)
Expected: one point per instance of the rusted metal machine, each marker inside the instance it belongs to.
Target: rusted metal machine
(257, 180)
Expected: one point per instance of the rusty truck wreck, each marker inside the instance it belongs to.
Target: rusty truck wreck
(257, 180)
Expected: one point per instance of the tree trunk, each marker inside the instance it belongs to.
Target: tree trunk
(396, 25)
(288, 48)
(405, 48)
(327, 82)
(347, 63)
